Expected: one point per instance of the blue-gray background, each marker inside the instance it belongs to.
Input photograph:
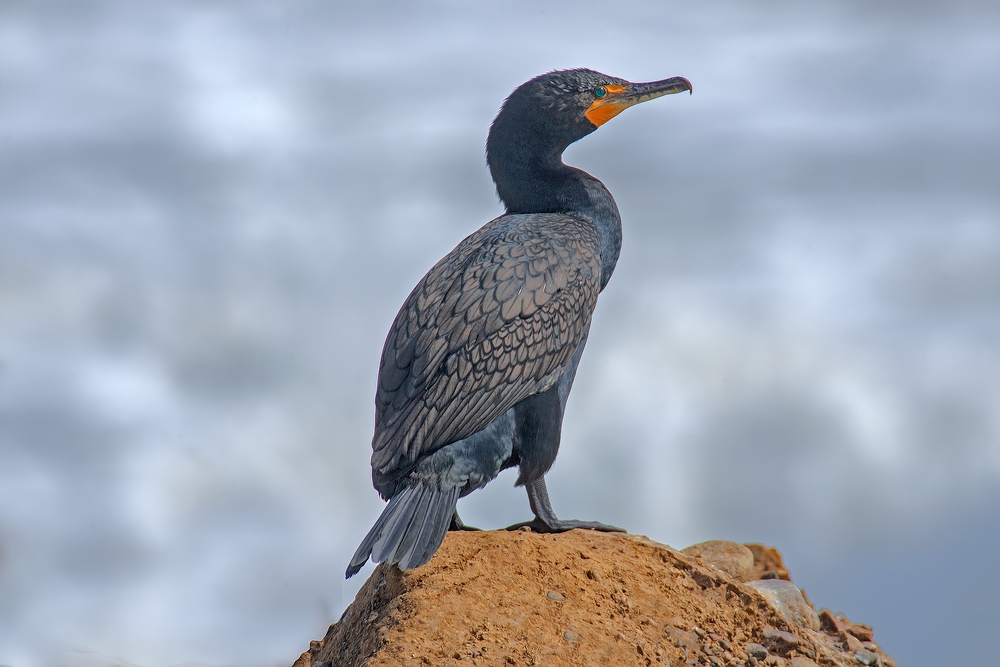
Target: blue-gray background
(210, 212)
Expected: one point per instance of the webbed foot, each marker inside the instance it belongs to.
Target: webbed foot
(553, 525)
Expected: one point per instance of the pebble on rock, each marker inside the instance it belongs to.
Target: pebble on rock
(786, 598)
(571, 636)
(851, 642)
(756, 650)
(861, 631)
(780, 640)
(558, 597)
(830, 623)
(866, 657)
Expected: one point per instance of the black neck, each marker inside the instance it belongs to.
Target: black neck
(539, 183)
(531, 177)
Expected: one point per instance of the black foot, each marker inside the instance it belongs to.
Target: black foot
(456, 523)
(562, 525)
(546, 521)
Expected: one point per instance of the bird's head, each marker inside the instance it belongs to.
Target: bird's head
(553, 110)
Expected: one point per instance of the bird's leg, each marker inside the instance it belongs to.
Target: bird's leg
(546, 521)
(457, 524)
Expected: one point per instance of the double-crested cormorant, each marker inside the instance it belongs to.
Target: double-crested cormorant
(479, 362)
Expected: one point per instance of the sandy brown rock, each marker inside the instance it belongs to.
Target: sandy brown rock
(574, 599)
(733, 558)
(767, 563)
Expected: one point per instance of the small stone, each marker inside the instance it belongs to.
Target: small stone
(866, 657)
(725, 645)
(524, 529)
(829, 623)
(558, 597)
(593, 575)
(787, 600)
(861, 631)
(780, 640)
(851, 642)
(871, 646)
(800, 661)
(730, 557)
(456, 655)
(756, 650)
(698, 631)
(751, 661)
(571, 636)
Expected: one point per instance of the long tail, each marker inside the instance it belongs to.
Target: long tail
(410, 529)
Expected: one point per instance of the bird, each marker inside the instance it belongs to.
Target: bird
(479, 362)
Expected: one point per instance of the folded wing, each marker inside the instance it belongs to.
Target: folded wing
(492, 323)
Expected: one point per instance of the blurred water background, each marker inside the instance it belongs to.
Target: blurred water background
(210, 213)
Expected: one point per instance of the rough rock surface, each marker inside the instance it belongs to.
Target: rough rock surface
(788, 599)
(733, 558)
(576, 599)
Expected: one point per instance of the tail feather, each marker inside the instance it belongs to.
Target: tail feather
(397, 540)
(409, 530)
(434, 530)
(429, 535)
(365, 548)
(397, 525)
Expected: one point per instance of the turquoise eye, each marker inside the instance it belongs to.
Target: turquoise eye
(600, 92)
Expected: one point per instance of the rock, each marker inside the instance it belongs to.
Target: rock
(730, 557)
(767, 563)
(866, 657)
(779, 640)
(861, 631)
(851, 642)
(566, 600)
(800, 661)
(785, 597)
(831, 623)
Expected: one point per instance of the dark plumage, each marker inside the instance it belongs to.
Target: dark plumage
(479, 362)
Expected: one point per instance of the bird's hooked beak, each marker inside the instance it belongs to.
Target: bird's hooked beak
(619, 98)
